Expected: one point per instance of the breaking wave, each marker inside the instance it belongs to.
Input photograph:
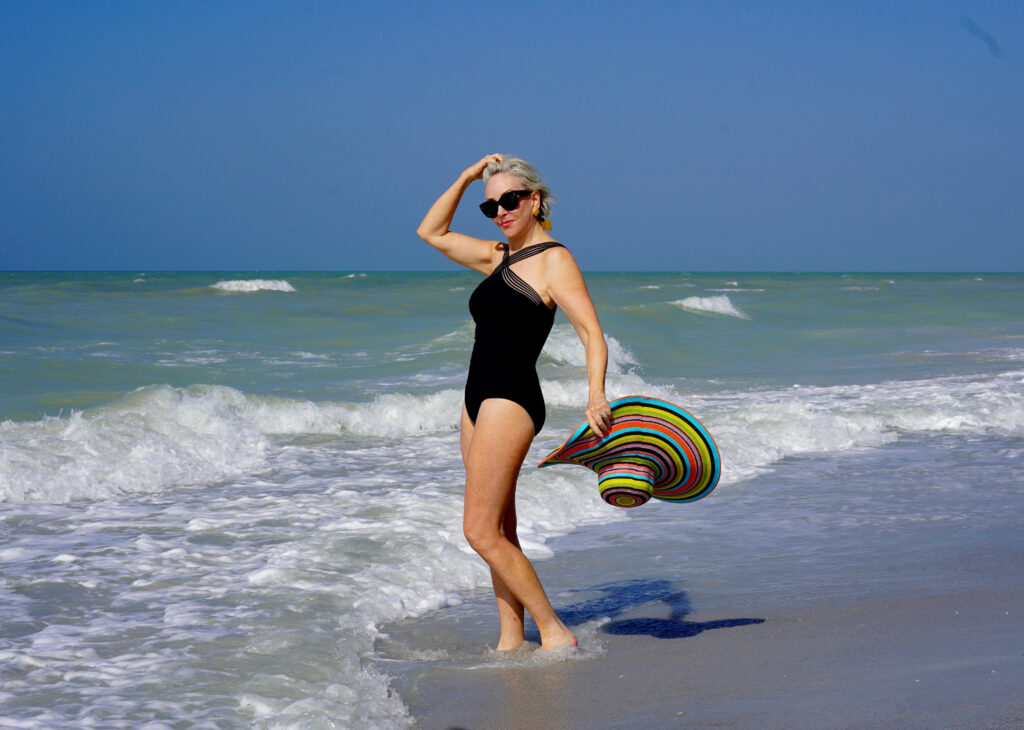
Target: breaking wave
(712, 305)
(251, 285)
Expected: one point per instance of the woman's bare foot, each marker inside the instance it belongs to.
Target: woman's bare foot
(558, 639)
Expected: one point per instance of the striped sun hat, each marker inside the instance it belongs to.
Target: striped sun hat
(653, 449)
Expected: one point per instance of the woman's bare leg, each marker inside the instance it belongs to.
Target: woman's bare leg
(493, 451)
(510, 610)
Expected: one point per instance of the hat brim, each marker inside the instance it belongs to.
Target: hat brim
(653, 449)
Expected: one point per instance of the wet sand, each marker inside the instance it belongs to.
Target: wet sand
(945, 660)
(917, 625)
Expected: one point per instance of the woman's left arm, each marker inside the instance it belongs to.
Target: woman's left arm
(569, 291)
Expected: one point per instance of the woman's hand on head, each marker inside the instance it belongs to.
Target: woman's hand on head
(599, 414)
(476, 170)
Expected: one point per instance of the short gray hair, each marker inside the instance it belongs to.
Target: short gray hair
(528, 175)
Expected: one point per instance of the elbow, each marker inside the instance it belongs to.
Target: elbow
(428, 235)
(432, 234)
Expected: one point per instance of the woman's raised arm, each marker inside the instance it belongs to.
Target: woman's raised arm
(474, 253)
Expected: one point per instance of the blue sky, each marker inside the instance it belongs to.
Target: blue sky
(678, 136)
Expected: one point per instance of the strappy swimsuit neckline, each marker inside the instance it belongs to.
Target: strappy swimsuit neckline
(512, 325)
(513, 279)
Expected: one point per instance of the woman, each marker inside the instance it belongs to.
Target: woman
(514, 307)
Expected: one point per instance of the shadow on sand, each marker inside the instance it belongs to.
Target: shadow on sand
(618, 597)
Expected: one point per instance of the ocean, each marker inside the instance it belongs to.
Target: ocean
(218, 489)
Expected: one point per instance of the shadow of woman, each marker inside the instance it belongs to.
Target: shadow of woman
(672, 628)
(618, 597)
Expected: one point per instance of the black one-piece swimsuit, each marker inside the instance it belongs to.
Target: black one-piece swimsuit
(512, 325)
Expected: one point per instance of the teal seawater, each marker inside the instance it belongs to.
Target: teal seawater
(72, 340)
(230, 482)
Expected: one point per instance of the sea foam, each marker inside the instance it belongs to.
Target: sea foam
(252, 285)
(280, 579)
(568, 386)
(754, 430)
(151, 439)
(564, 346)
(161, 437)
(712, 305)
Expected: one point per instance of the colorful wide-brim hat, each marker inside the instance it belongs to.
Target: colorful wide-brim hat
(653, 449)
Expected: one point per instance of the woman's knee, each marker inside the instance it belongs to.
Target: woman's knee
(482, 538)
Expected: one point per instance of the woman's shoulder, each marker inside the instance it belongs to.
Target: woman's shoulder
(559, 259)
(553, 247)
(552, 252)
(559, 250)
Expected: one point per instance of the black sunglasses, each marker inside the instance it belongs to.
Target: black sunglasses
(509, 201)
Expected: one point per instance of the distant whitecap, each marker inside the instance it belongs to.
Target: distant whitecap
(712, 305)
(250, 285)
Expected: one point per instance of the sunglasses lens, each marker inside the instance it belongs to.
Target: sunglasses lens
(510, 200)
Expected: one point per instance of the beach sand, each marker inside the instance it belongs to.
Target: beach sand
(941, 660)
(938, 662)
(925, 632)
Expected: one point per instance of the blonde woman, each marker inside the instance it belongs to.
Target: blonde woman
(529, 276)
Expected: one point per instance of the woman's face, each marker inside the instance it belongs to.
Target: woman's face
(512, 222)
